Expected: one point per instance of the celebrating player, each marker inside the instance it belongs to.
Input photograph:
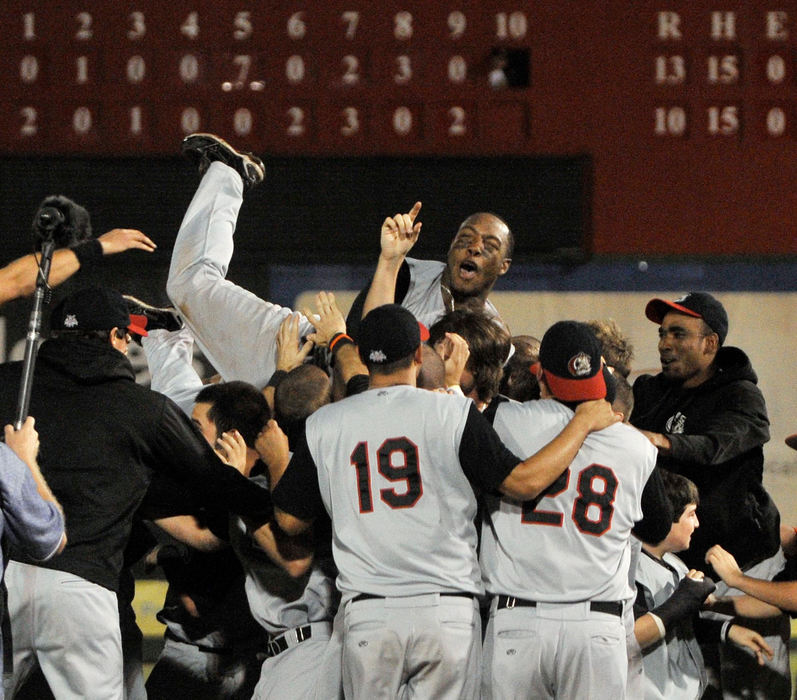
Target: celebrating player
(558, 566)
(396, 467)
(480, 253)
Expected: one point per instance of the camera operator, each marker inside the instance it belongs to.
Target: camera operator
(70, 226)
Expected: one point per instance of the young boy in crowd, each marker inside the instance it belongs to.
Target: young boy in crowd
(668, 598)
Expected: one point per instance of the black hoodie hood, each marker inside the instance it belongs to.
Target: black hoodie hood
(85, 360)
(733, 364)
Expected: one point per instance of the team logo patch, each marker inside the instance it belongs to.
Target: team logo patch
(580, 365)
(377, 356)
(682, 299)
(675, 424)
(70, 321)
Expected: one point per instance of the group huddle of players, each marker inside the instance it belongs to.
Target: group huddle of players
(427, 474)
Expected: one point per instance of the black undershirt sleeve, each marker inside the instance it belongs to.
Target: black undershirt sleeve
(357, 384)
(297, 492)
(485, 460)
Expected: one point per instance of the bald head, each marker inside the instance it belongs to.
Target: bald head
(479, 254)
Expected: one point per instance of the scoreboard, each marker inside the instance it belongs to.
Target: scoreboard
(685, 111)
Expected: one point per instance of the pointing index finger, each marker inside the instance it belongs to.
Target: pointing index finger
(416, 208)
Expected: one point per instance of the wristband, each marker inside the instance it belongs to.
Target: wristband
(726, 628)
(659, 625)
(339, 340)
(276, 378)
(88, 253)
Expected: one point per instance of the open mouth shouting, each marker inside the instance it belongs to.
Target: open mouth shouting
(468, 270)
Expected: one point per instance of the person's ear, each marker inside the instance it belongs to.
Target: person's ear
(116, 337)
(712, 343)
(505, 266)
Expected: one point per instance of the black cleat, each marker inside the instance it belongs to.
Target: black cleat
(165, 317)
(203, 149)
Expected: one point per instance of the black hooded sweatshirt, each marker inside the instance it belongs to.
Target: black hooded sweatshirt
(102, 438)
(717, 431)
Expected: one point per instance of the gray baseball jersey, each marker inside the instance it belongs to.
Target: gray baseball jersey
(394, 467)
(424, 297)
(674, 665)
(282, 604)
(389, 460)
(571, 544)
(562, 554)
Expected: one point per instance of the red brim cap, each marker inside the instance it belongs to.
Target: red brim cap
(791, 441)
(424, 332)
(575, 389)
(138, 324)
(657, 309)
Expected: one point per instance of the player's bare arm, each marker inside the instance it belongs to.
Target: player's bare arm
(399, 233)
(18, 278)
(293, 554)
(186, 529)
(743, 606)
(536, 473)
(782, 594)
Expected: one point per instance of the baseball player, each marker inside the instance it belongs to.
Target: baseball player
(396, 467)
(235, 329)
(292, 597)
(480, 253)
(558, 566)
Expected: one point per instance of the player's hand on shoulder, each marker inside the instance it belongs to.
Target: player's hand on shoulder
(119, 240)
(399, 233)
(597, 414)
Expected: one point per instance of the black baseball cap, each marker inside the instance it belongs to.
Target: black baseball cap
(95, 309)
(571, 362)
(388, 333)
(696, 304)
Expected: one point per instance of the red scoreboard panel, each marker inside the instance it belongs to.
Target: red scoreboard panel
(685, 108)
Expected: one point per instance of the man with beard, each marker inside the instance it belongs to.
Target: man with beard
(706, 416)
(480, 253)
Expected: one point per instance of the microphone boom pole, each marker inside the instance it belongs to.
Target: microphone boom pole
(34, 328)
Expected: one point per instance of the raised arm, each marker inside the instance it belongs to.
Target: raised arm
(18, 278)
(398, 235)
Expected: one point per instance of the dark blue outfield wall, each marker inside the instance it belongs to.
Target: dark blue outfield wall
(627, 275)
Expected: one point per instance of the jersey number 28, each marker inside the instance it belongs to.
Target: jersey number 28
(592, 509)
(397, 460)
